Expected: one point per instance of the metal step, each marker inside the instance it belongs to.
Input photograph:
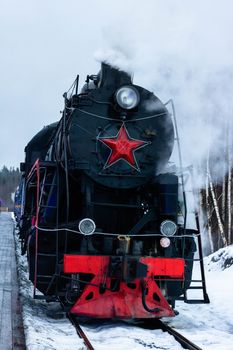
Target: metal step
(198, 301)
(48, 206)
(205, 300)
(45, 276)
(46, 254)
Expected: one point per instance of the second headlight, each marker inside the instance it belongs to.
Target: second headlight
(87, 226)
(168, 228)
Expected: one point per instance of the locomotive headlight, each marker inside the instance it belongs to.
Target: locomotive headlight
(127, 97)
(168, 228)
(87, 226)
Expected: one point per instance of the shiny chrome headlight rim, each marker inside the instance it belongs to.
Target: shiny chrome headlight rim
(127, 97)
(168, 228)
(87, 226)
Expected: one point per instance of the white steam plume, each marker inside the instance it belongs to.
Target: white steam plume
(184, 51)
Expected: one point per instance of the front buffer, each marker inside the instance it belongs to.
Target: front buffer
(123, 286)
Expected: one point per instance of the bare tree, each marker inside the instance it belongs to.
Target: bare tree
(229, 189)
(217, 196)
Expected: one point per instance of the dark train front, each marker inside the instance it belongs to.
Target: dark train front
(100, 221)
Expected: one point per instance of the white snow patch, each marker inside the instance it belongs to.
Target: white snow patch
(220, 260)
(211, 325)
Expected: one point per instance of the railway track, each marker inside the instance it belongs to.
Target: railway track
(158, 324)
(184, 342)
(79, 330)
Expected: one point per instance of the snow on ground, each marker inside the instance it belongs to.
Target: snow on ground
(211, 325)
(120, 335)
(42, 331)
(208, 325)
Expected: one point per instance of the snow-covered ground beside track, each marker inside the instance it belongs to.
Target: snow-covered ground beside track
(208, 325)
(211, 325)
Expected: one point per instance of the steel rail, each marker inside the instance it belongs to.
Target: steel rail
(79, 330)
(184, 342)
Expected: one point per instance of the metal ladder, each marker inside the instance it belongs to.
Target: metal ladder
(49, 184)
(202, 281)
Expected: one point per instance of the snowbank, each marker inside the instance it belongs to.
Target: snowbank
(220, 260)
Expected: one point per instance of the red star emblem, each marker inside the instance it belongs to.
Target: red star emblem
(122, 146)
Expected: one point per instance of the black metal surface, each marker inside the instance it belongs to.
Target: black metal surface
(38, 145)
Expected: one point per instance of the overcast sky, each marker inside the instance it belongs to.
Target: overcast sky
(179, 49)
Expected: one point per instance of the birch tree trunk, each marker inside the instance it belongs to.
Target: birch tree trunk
(215, 203)
(224, 172)
(208, 210)
(219, 221)
(229, 150)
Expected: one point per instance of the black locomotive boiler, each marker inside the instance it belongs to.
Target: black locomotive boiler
(104, 219)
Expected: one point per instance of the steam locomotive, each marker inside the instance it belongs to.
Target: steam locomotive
(103, 214)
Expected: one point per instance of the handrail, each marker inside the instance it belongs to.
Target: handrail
(36, 167)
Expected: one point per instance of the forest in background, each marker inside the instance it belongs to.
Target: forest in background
(9, 180)
(217, 212)
(217, 194)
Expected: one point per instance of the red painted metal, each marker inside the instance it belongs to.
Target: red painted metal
(36, 170)
(126, 301)
(37, 165)
(165, 267)
(94, 264)
(122, 147)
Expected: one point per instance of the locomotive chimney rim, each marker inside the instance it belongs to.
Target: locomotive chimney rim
(113, 77)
